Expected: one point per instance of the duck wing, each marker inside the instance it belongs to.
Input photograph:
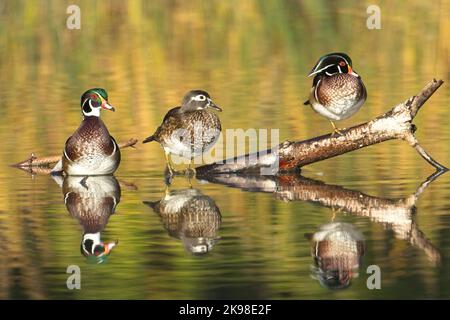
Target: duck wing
(170, 120)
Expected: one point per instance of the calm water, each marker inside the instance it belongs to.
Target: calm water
(360, 209)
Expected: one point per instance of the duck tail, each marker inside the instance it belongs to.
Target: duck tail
(151, 204)
(306, 102)
(149, 139)
(309, 236)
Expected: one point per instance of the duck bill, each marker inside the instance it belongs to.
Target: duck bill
(110, 246)
(107, 106)
(212, 105)
(352, 72)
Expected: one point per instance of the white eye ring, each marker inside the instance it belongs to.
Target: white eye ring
(201, 97)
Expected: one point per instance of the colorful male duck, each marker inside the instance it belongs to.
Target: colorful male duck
(91, 150)
(337, 91)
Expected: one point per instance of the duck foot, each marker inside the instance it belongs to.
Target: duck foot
(336, 130)
(168, 176)
(190, 172)
(334, 211)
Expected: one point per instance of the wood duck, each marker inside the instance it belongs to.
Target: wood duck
(91, 150)
(337, 249)
(190, 129)
(337, 91)
(191, 216)
(92, 200)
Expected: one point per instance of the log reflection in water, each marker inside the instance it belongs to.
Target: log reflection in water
(395, 214)
(191, 216)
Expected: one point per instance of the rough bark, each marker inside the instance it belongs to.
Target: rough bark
(290, 155)
(397, 215)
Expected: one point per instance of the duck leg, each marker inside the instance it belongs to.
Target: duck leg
(189, 169)
(336, 129)
(169, 166)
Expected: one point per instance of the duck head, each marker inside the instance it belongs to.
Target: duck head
(333, 63)
(93, 100)
(94, 249)
(198, 100)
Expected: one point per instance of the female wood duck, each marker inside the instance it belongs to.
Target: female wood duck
(92, 200)
(191, 216)
(190, 129)
(337, 91)
(90, 150)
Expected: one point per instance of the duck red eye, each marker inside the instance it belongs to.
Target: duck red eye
(342, 64)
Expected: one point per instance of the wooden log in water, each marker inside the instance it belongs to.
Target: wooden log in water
(34, 161)
(291, 155)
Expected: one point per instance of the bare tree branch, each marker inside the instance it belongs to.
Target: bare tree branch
(394, 124)
(34, 161)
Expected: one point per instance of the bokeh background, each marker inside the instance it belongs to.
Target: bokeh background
(252, 57)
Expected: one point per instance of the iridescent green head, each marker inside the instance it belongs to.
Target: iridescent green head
(94, 249)
(333, 63)
(93, 100)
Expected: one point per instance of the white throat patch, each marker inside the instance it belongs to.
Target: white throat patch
(94, 111)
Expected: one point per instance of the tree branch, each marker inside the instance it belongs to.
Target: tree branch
(34, 161)
(394, 124)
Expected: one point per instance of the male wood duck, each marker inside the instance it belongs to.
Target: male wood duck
(190, 129)
(337, 249)
(337, 91)
(91, 150)
(191, 216)
(92, 200)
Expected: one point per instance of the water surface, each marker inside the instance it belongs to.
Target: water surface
(252, 57)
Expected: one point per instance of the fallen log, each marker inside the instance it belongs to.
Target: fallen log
(34, 161)
(291, 155)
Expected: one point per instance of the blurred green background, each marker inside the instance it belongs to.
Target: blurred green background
(253, 58)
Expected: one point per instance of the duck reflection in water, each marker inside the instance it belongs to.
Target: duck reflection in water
(191, 216)
(337, 249)
(92, 200)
